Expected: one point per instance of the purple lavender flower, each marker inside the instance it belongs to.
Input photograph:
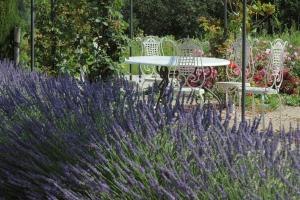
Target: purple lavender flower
(64, 139)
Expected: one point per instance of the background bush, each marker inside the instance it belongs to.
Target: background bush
(179, 18)
(85, 36)
(75, 36)
(89, 36)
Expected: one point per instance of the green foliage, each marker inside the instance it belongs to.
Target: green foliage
(271, 102)
(263, 16)
(257, 14)
(214, 34)
(292, 100)
(83, 36)
(181, 18)
(172, 17)
(9, 18)
(289, 12)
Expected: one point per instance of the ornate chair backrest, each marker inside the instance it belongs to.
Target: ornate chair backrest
(151, 46)
(276, 60)
(234, 70)
(189, 63)
(168, 46)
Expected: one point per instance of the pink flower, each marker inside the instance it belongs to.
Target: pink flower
(262, 72)
(236, 71)
(258, 77)
(230, 50)
(214, 73)
(268, 51)
(198, 52)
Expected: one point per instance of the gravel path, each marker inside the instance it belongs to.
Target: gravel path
(290, 117)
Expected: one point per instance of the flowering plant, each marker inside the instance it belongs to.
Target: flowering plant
(291, 62)
(62, 139)
(290, 83)
(292, 58)
(235, 71)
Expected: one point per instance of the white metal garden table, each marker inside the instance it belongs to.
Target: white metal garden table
(170, 62)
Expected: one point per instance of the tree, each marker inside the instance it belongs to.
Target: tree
(289, 12)
(172, 17)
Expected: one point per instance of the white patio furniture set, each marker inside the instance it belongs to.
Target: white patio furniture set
(185, 68)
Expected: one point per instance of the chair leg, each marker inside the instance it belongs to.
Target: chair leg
(142, 86)
(226, 97)
(201, 99)
(234, 98)
(253, 107)
(140, 72)
(263, 111)
(240, 102)
(229, 98)
(280, 110)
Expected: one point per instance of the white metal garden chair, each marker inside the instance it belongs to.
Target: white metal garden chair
(273, 77)
(153, 46)
(148, 46)
(234, 70)
(189, 75)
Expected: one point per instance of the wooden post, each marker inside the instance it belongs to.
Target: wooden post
(17, 41)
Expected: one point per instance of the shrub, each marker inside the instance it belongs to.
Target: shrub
(166, 17)
(290, 83)
(61, 139)
(81, 35)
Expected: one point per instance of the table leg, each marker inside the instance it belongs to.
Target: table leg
(208, 75)
(164, 74)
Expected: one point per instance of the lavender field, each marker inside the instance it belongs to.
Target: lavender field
(63, 139)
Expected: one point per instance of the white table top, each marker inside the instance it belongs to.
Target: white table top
(171, 61)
